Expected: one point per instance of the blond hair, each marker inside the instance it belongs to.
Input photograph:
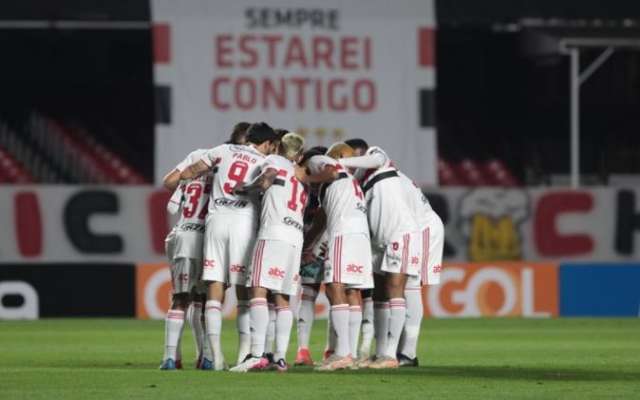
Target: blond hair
(340, 150)
(291, 145)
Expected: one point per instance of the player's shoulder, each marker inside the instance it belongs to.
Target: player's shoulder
(278, 161)
(376, 150)
(197, 154)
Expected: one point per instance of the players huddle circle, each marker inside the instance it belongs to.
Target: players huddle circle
(272, 220)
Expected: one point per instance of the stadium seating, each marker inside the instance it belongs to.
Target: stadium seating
(44, 150)
(468, 172)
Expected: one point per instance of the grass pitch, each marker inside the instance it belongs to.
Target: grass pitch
(486, 358)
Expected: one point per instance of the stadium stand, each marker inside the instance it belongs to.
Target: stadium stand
(43, 150)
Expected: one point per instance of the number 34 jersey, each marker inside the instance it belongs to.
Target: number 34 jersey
(283, 203)
(233, 165)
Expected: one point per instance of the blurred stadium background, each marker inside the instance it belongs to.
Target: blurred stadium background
(519, 119)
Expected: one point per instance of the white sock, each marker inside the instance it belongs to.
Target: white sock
(330, 345)
(339, 316)
(397, 316)
(194, 315)
(284, 322)
(259, 321)
(213, 316)
(173, 324)
(367, 327)
(355, 321)
(381, 326)
(244, 334)
(306, 316)
(271, 329)
(409, 340)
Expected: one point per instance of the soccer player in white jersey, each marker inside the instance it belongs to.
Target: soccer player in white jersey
(396, 240)
(432, 247)
(348, 264)
(183, 247)
(276, 258)
(185, 199)
(231, 223)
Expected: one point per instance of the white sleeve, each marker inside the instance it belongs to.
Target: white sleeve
(212, 156)
(173, 206)
(317, 163)
(375, 160)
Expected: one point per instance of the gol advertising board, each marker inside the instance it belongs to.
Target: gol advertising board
(515, 289)
(329, 70)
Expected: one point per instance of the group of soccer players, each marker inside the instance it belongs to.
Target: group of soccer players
(264, 216)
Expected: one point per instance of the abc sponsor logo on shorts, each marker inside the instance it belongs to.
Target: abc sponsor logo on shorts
(209, 264)
(276, 272)
(355, 269)
(495, 289)
(237, 268)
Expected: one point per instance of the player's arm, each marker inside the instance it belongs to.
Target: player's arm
(171, 180)
(318, 226)
(175, 202)
(260, 184)
(369, 161)
(194, 170)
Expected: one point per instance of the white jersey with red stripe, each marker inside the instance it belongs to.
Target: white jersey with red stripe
(233, 165)
(389, 214)
(341, 199)
(195, 196)
(416, 200)
(283, 203)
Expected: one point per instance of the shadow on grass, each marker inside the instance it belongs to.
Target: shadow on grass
(502, 372)
(451, 371)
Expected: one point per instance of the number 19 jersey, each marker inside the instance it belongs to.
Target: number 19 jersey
(283, 203)
(233, 165)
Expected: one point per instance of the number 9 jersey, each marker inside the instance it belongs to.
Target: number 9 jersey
(233, 165)
(232, 221)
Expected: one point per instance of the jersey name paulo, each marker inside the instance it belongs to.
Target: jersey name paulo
(283, 203)
(195, 197)
(341, 199)
(416, 200)
(233, 165)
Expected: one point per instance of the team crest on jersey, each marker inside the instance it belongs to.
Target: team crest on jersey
(415, 260)
(276, 272)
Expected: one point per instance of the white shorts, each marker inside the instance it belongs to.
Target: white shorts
(229, 239)
(275, 266)
(184, 251)
(348, 259)
(402, 256)
(432, 248)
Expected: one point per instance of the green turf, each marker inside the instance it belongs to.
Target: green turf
(499, 358)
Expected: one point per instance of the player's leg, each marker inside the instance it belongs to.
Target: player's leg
(258, 311)
(367, 324)
(174, 324)
(270, 340)
(355, 319)
(380, 315)
(242, 322)
(284, 323)
(409, 340)
(194, 316)
(306, 317)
